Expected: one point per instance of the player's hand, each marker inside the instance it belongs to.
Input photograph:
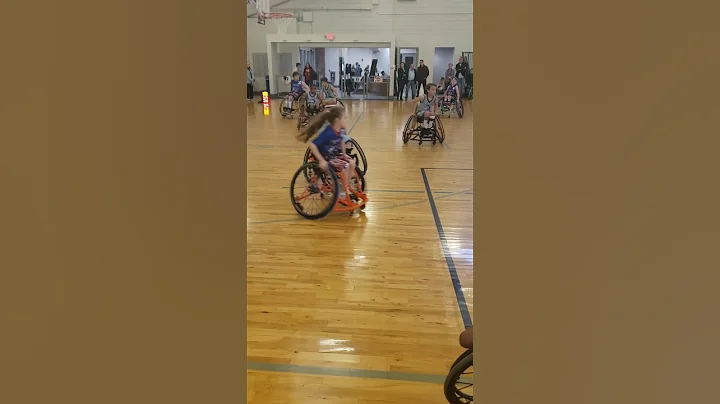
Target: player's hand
(324, 165)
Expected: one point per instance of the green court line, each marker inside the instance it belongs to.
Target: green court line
(359, 373)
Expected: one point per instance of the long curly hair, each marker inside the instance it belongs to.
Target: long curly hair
(313, 127)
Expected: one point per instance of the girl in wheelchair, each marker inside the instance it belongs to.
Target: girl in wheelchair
(451, 94)
(329, 146)
(426, 107)
(296, 90)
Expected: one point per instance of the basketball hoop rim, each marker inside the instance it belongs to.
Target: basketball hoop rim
(277, 16)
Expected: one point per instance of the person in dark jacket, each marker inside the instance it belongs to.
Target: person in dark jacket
(401, 78)
(309, 74)
(421, 74)
(462, 69)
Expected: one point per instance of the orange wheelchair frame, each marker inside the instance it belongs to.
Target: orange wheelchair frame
(327, 185)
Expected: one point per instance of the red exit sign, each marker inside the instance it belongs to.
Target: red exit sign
(330, 37)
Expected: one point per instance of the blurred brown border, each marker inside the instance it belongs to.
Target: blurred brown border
(596, 216)
(123, 213)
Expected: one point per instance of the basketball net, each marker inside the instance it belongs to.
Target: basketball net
(281, 20)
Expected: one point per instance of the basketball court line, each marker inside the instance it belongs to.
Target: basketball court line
(402, 191)
(357, 373)
(459, 295)
(399, 205)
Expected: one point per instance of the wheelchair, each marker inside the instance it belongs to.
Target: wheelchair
(415, 131)
(452, 106)
(295, 108)
(307, 112)
(352, 149)
(458, 386)
(321, 190)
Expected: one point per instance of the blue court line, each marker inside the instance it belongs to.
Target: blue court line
(358, 373)
(355, 123)
(459, 295)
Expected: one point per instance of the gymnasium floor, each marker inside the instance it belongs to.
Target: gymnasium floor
(363, 309)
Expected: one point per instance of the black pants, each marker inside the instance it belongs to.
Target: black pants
(421, 83)
(401, 88)
(249, 91)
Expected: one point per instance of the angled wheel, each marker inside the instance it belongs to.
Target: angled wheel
(309, 158)
(408, 129)
(458, 386)
(314, 198)
(302, 120)
(357, 154)
(460, 109)
(308, 155)
(439, 130)
(359, 180)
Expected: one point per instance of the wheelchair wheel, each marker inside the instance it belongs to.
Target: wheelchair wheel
(409, 127)
(459, 109)
(303, 119)
(459, 384)
(357, 154)
(439, 130)
(360, 181)
(314, 198)
(284, 114)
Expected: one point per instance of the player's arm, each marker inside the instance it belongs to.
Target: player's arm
(305, 87)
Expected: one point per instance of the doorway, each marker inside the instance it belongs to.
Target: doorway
(409, 56)
(443, 56)
(260, 70)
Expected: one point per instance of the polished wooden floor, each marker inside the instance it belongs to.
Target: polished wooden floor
(359, 309)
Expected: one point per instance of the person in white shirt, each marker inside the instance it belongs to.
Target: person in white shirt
(411, 90)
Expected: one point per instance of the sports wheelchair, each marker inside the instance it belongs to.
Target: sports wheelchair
(352, 149)
(458, 386)
(322, 189)
(452, 106)
(307, 112)
(291, 113)
(414, 130)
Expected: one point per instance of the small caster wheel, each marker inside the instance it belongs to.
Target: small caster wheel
(434, 141)
(420, 143)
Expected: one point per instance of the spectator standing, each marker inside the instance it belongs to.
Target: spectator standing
(309, 74)
(401, 78)
(410, 88)
(462, 69)
(421, 74)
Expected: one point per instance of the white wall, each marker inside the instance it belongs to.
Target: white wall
(332, 57)
(424, 24)
(443, 56)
